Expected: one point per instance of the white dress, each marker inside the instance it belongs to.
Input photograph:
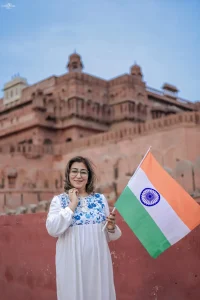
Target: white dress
(83, 262)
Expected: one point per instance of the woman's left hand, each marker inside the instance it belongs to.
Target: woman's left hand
(111, 223)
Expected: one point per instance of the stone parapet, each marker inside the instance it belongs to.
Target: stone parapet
(123, 133)
(112, 136)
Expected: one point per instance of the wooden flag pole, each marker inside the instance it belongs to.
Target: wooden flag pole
(131, 178)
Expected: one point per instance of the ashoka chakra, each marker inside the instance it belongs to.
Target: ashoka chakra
(149, 197)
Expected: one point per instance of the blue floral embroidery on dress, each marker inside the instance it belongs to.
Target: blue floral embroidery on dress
(93, 212)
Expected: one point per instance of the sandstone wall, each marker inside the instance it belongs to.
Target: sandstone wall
(27, 264)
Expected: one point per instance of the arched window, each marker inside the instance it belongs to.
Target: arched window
(74, 65)
(68, 140)
(139, 108)
(12, 149)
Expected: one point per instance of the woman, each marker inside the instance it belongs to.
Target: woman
(83, 261)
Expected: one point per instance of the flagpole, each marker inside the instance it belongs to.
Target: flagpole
(129, 180)
(141, 161)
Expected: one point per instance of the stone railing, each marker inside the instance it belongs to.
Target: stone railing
(176, 98)
(27, 150)
(42, 206)
(24, 201)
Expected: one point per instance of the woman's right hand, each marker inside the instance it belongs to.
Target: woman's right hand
(73, 197)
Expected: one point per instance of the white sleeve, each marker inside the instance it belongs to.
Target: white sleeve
(115, 235)
(58, 219)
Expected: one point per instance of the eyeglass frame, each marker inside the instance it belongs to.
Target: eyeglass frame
(79, 172)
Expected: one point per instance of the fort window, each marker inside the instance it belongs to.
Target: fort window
(56, 184)
(82, 104)
(116, 172)
(74, 65)
(12, 149)
(22, 142)
(2, 184)
(131, 108)
(139, 108)
(61, 180)
(47, 142)
(46, 184)
(11, 182)
(98, 109)
(68, 140)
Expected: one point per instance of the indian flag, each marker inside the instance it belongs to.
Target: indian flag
(156, 208)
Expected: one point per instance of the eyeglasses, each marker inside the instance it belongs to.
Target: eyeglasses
(75, 172)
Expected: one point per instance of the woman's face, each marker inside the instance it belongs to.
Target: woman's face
(78, 176)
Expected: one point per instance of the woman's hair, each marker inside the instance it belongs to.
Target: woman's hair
(91, 174)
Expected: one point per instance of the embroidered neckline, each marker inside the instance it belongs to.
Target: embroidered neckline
(92, 212)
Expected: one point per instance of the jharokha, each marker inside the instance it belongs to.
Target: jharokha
(113, 122)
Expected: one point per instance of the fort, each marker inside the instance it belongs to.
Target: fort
(111, 121)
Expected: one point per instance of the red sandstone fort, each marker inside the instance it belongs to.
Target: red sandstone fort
(113, 122)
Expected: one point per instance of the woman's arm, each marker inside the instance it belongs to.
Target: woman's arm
(111, 236)
(58, 219)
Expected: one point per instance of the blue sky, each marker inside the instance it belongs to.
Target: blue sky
(162, 36)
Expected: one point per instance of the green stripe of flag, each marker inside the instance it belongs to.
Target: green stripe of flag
(141, 223)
